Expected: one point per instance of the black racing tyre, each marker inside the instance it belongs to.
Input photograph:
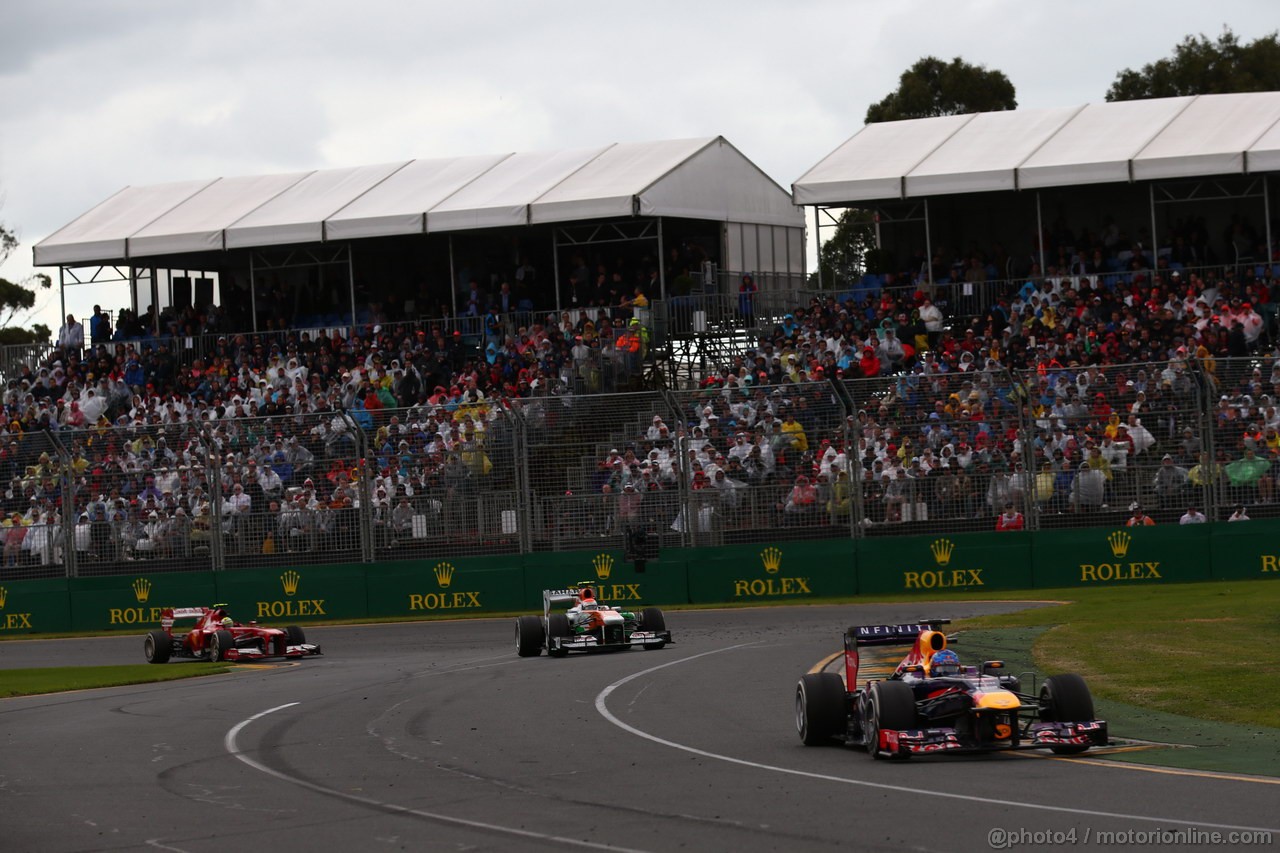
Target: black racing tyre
(220, 643)
(295, 635)
(820, 708)
(157, 647)
(1066, 699)
(651, 619)
(890, 706)
(528, 636)
(557, 626)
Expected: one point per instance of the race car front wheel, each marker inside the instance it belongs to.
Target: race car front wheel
(219, 644)
(1066, 699)
(890, 706)
(557, 626)
(528, 636)
(295, 635)
(820, 708)
(651, 619)
(157, 647)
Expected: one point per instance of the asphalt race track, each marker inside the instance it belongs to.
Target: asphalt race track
(435, 736)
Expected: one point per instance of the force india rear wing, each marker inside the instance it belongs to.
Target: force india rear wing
(881, 635)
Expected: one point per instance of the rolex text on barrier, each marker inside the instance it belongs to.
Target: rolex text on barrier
(962, 562)
(1242, 551)
(1122, 555)
(739, 573)
(134, 601)
(461, 586)
(302, 593)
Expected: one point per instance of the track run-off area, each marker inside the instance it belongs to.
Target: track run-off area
(435, 736)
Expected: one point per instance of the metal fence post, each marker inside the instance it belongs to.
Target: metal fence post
(217, 542)
(367, 467)
(67, 482)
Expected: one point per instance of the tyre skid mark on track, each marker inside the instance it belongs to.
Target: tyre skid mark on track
(232, 747)
(602, 708)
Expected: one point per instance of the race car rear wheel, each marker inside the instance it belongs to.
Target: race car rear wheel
(1066, 699)
(157, 647)
(557, 626)
(219, 644)
(529, 636)
(820, 708)
(295, 635)
(891, 707)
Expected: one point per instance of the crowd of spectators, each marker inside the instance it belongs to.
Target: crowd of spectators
(1073, 392)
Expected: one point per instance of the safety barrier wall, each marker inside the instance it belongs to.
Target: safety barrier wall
(930, 565)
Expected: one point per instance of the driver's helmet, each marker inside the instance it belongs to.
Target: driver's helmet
(943, 663)
(227, 622)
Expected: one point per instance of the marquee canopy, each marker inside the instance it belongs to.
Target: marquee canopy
(1121, 141)
(703, 178)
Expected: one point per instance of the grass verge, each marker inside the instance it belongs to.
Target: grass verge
(29, 682)
(1206, 650)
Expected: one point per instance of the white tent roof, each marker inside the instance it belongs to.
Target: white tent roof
(698, 178)
(1021, 149)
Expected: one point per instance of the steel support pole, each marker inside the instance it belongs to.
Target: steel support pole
(928, 245)
(253, 296)
(662, 264)
(555, 268)
(1040, 234)
(1155, 240)
(817, 242)
(1266, 219)
(62, 293)
(351, 283)
(453, 282)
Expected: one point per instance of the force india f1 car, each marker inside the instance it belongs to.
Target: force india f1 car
(572, 620)
(216, 637)
(918, 711)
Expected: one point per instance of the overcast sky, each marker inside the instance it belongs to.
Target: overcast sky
(96, 95)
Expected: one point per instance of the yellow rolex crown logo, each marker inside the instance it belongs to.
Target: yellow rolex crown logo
(603, 564)
(290, 580)
(942, 550)
(772, 559)
(142, 590)
(1119, 542)
(4, 596)
(444, 574)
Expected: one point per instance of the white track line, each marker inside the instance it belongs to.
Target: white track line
(602, 708)
(232, 747)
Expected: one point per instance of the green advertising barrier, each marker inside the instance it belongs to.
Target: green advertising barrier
(135, 601)
(454, 585)
(960, 562)
(1127, 555)
(295, 594)
(38, 606)
(663, 581)
(745, 573)
(1245, 549)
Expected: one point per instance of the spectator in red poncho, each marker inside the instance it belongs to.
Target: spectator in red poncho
(1010, 519)
(869, 364)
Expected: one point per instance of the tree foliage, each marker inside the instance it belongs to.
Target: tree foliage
(1200, 66)
(932, 87)
(17, 299)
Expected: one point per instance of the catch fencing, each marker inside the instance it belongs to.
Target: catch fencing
(725, 464)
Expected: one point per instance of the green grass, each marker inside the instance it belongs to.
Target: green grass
(28, 682)
(1205, 650)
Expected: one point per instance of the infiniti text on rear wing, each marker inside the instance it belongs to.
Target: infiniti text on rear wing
(881, 635)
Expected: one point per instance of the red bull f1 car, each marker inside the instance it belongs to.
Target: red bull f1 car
(930, 704)
(573, 620)
(215, 636)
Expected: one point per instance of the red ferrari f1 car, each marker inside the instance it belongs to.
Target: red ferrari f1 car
(215, 636)
(931, 704)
